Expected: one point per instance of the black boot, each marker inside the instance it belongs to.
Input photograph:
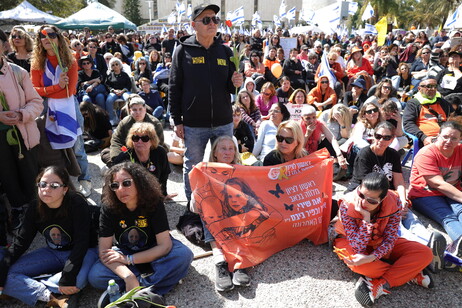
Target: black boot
(190, 225)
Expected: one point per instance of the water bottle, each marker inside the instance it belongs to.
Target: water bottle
(113, 291)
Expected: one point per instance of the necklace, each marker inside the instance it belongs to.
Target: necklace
(384, 159)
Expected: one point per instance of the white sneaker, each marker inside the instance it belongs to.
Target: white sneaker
(103, 170)
(85, 188)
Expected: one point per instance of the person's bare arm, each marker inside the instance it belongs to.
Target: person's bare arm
(437, 182)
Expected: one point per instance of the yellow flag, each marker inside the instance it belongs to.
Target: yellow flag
(381, 28)
(395, 22)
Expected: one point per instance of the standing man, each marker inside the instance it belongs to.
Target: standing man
(202, 79)
(169, 43)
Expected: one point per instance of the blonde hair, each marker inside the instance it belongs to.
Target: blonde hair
(212, 158)
(344, 114)
(297, 132)
(39, 54)
(29, 42)
(142, 128)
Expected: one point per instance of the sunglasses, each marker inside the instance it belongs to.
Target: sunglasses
(142, 63)
(386, 87)
(16, 37)
(85, 63)
(324, 82)
(109, 36)
(371, 111)
(115, 64)
(429, 86)
(51, 35)
(53, 185)
(206, 20)
(369, 200)
(425, 53)
(288, 140)
(92, 47)
(125, 183)
(266, 94)
(78, 44)
(384, 137)
(136, 138)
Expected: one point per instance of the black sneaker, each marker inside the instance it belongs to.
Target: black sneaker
(223, 280)
(241, 278)
(455, 248)
(437, 244)
(145, 297)
(368, 290)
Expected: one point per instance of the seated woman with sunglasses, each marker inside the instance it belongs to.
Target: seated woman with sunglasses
(62, 216)
(267, 131)
(143, 148)
(369, 244)
(266, 99)
(119, 84)
(384, 92)
(145, 254)
(89, 85)
(323, 97)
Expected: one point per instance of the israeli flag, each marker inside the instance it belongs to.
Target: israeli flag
(238, 16)
(276, 21)
(164, 29)
(256, 20)
(282, 9)
(307, 15)
(291, 14)
(325, 70)
(368, 12)
(189, 11)
(369, 29)
(452, 19)
(352, 8)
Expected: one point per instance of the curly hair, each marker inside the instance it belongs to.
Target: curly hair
(140, 129)
(39, 54)
(148, 188)
(20, 31)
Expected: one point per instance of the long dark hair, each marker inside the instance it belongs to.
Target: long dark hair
(252, 201)
(42, 208)
(147, 186)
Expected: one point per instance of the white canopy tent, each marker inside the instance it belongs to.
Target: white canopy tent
(26, 12)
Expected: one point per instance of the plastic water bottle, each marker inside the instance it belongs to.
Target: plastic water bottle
(113, 291)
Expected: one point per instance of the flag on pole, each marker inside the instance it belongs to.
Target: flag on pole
(291, 14)
(164, 29)
(171, 19)
(189, 11)
(452, 18)
(369, 29)
(368, 12)
(282, 9)
(307, 15)
(238, 16)
(180, 9)
(256, 20)
(352, 8)
(381, 27)
(276, 21)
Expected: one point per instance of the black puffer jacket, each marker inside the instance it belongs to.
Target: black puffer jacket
(200, 83)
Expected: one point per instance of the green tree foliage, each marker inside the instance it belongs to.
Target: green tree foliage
(131, 11)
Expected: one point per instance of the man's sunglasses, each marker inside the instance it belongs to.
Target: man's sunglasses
(429, 86)
(288, 140)
(206, 20)
(125, 183)
(51, 35)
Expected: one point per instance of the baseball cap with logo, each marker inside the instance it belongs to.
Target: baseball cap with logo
(202, 7)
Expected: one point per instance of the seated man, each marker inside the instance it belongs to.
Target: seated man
(151, 98)
(137, 109)
(425, 112)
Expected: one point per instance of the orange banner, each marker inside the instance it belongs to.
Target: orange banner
(254, 212)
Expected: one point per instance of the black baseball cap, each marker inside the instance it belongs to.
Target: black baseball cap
(202, 7)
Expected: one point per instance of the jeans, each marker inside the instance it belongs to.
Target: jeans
(168, 270)
(109, 105)
(20, 283)
(195, 140)
(96, 96)
(444, 211)
(411, 228)
(79, 147)
(158, 112)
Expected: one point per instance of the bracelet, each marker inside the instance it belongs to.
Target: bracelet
(342, 127)
(130, 257)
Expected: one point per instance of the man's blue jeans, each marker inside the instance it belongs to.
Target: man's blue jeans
(79, 147)
(20, 283)
(195, 140)
(109, 105)
(444, 211)
(168, 270)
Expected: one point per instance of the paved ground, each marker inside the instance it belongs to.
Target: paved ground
(300, 276)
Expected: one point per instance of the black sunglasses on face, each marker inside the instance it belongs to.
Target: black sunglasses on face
(125, 183)
(369, 200)
(384, 137)
(53, 185)
(206, 20)
(371, 111)
(288, 140)
(136, 138)
(429, 86)
(16, 37)
(51, 35)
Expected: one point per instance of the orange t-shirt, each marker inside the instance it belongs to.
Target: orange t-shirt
(430, 161)
(428, 122)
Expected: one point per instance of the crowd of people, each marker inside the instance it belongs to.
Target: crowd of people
(65, 94)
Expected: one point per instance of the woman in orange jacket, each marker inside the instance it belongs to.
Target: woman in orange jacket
(323, 97)
(367, 230)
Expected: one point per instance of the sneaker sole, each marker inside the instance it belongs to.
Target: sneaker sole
(237, 283)
(224, 289)
(362, 293)
(438, 247)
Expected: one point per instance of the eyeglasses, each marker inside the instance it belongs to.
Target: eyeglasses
(206, 20)
(85, 63)
(371, 111)
(425, 53)
(16, 37)
(369, 200)
(136, 138)
(92, 47)
(51, 35)
(125, 183)
(288, 140)
(142, 63)
(266, 94)
(429, 86)
(53, 185)
(114, 64)
(386, 87)
(324, 82)
(384, 137)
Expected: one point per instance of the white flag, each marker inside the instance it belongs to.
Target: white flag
(352, 8)
(282, 9)
(368, 12)
(238, 16)
(452, 18)
(189, 11)
(276, 21)
(291, 14)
